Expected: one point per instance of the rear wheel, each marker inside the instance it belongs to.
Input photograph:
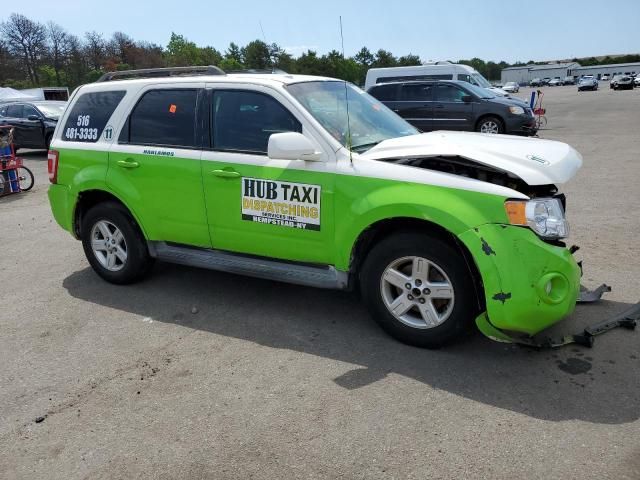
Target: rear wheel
(47, 141)
(418, 289)
(25, 178)
(490, 125)
(114, 245)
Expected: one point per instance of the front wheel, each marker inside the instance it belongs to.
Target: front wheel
(419, 289)
(25, 178)
(490, 125)
(114, 245)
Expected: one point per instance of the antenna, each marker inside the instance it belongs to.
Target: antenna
(264, 37)
(346, 99)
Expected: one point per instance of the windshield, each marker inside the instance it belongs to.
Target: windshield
(52, 110)
(480, 92)
(479, 80)
(370, 122)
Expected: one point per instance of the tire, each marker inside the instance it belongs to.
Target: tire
(47, 141)
(490, 124)
(446, 318)
(123, 260)
(25, 178)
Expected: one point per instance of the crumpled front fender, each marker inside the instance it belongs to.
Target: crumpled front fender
(528, 284)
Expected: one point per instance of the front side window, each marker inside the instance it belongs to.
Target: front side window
(89, 115)
(367, 123)
(29, 110)
(449, 93)
(243, 121)
(164, 117)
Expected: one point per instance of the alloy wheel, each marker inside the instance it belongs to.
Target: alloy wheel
(417, 292)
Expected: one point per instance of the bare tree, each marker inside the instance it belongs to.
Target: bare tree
(95, 49)
(26, 39)
(59, 48)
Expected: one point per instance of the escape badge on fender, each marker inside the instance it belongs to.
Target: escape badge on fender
(294, 205)
(535, 158)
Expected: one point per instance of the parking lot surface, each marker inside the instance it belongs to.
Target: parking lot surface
(199, 374)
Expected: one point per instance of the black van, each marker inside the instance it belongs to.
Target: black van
(455, 105)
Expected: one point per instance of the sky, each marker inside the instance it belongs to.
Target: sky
(435, 30)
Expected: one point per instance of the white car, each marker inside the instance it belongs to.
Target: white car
(511, 87)
(636, 81)
(605, 78)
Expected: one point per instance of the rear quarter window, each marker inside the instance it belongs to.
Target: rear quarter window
(89, 115)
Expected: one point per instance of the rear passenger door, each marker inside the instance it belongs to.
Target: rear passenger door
(417, 105)
(450, 111)
(155, 165)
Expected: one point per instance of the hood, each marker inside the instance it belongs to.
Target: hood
(498, 91)
(535, 161)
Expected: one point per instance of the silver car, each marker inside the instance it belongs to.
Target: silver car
(511, 87)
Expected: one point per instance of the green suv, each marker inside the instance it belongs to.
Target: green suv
(311, 181)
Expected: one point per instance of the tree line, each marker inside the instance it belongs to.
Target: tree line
(34, 54)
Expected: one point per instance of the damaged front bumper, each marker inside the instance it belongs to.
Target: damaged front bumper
(529, 285)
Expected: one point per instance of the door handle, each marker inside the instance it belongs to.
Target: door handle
(439, 106)
(226, 173)
(128, 163)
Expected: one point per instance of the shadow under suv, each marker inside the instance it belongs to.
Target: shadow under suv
(455, 105)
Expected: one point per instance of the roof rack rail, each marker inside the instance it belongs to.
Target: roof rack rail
(161, 72)
(260, 70)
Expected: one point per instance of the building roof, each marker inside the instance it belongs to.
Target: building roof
(553, 66)
(520, 67)
(615, 65)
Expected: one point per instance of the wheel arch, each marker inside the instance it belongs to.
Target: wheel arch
(494, 115)
(89, 198)
(384, 228)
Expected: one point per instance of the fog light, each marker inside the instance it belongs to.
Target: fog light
(553, 288)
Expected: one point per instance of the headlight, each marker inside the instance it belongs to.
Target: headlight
(545, 216)
(517, 110)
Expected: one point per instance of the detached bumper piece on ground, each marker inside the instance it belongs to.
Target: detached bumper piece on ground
(627, 319)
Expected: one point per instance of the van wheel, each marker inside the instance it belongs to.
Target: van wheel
(419, 290)
(114, 245)
(490, 125)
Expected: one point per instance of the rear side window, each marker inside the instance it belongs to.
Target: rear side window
(164, 117)
(15, 111)
(90, 115)
(385, 93)
(243, 121)
(419, 92)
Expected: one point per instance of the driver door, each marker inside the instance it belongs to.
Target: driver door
(259, 205)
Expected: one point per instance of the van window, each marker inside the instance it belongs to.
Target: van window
(243, 121)
(164, 117)
(384, 93)
(420, 92)
(449, 93)
(408, 78)
(89, 116)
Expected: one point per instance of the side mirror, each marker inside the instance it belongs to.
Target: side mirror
(292, 146)
(33, 118)
(467, 98)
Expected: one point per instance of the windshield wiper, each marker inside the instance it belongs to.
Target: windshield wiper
(365, 146)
